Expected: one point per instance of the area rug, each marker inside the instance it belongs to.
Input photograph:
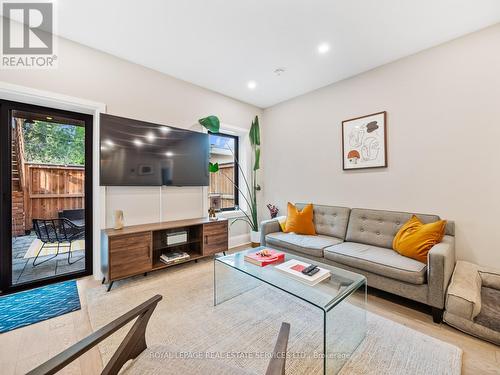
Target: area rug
(32, 306)
(51, 249)
(248, 324)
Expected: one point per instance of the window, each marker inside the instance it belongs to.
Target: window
(223, 195)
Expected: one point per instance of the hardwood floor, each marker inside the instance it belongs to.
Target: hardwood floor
(25, 348)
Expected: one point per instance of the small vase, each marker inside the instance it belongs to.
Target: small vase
(255, 238)
(118, 219)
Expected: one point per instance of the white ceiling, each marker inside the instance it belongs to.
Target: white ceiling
(223, 44)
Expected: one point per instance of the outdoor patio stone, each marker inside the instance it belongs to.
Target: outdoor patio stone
(23, 270)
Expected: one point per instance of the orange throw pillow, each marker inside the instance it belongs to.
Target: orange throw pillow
(300, 222)
(414, 239)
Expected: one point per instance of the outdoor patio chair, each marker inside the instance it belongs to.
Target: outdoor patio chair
(59, 233)
(76, 216)
(155, 360)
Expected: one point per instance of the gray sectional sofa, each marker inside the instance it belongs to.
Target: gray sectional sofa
(360, 240)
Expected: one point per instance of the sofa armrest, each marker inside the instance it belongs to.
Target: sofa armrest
(266, 227)
(440, 266)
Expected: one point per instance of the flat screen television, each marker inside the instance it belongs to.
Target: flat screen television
(138, 153)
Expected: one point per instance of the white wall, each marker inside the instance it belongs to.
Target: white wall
(443, 109)
(130, 90)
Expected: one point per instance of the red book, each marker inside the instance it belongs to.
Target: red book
(265, 257)
(298, 267)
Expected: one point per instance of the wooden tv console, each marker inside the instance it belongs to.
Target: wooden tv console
(136, 249)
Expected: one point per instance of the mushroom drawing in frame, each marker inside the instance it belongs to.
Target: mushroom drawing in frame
(364, 142)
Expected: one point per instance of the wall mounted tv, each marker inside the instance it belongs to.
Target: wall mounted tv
(138, 153)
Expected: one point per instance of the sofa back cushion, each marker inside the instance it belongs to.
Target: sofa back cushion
(379, 227)
(329, 220)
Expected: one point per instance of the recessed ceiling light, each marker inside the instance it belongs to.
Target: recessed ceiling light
(323, 48)
(169, 153)
(138, 142)
(252, 85)
(48, 118)
(165, 129)
(150, 137)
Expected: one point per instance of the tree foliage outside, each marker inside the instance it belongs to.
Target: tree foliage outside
(50, 143)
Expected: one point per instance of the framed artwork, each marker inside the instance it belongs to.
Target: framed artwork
(216, 202)
(364, 142)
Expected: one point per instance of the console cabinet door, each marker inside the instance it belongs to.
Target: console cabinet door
(215, 237)
(130, 255)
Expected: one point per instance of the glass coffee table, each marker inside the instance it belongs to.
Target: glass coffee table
(341, 298)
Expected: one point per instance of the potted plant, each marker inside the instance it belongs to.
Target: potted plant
(212, 124)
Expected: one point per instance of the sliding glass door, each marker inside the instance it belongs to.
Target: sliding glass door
(46, 221)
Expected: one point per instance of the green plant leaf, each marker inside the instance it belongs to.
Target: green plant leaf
(211, 123)
(213, 168)
(256, 165)
(255, 132)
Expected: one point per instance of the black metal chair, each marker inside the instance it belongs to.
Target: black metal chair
(57, 233)
(76, 216)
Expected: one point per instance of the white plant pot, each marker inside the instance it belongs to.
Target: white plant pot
(255, 238)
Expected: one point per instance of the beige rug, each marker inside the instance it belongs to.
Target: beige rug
(52, 249)
(187, 319)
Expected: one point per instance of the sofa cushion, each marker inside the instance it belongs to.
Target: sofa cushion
(377, 227)
(378, 260)
(415, 239)
(310, 245)
(490, 309)
(329, 220)
(300, 220)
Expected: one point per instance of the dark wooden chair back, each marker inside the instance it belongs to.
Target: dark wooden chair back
(134, 343)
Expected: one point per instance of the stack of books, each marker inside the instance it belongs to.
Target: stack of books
(264, 257)
(175, 257)
(293, 268)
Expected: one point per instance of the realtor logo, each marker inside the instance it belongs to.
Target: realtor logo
(27, 35)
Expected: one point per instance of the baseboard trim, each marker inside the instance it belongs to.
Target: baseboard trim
(242, 239)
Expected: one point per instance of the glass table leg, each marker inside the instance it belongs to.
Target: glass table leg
(344, 330)
(230, 283)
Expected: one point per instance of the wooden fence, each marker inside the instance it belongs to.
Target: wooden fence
(52, 188)
(221, 185)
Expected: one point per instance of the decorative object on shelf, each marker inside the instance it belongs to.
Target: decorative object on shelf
(264, 253)
(212, 124)
(273, 210)
(118, 219)
(211, 214)
(176, 238)
(174, 257)
(364, 142)
(216, 202)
